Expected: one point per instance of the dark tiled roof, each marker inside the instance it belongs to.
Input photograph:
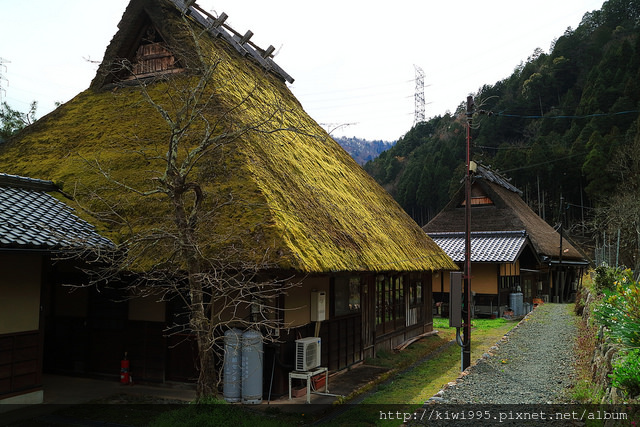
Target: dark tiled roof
(32, 219)
(504, 246)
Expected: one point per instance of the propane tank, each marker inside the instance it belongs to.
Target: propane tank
(232, 367)
(252, 357)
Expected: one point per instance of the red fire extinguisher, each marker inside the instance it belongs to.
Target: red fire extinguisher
(124, 370)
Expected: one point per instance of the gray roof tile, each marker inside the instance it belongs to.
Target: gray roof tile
(501, 246)
(32, 219)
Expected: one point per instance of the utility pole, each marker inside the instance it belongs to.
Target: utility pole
(466, 310)
(560, 287)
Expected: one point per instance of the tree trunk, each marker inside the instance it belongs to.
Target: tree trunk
(208, 375)
(200, 324)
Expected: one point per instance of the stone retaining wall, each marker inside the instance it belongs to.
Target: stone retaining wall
(604, 356)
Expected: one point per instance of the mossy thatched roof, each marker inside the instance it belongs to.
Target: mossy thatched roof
(283, 189)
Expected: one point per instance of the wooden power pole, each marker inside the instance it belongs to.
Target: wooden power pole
(466, 310)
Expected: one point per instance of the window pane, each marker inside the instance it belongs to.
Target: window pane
(379, 300)
(346, 295)
(400, 303)
(354, 294)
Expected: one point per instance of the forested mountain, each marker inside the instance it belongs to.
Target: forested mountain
(564, 126)
(363, 150)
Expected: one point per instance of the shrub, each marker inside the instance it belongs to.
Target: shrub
(605, 279)
(626, 373)
(619, 310)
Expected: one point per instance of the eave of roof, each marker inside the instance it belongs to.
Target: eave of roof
(558, 262)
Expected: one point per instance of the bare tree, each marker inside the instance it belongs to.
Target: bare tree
(194, 259)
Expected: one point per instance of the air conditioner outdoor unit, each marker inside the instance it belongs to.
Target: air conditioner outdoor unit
(307, 353)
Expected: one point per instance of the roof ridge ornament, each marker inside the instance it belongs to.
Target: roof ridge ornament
(216, 23)
(496, 177)
(242, 43)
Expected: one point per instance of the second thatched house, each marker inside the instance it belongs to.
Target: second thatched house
(272, 184)
(513, 250)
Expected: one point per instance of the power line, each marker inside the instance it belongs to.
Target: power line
(542, 163)
(586, 116)
(365, 99)
(353, 89)
(513, 147)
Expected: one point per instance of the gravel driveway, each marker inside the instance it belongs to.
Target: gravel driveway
(519, 382)
(533, 364)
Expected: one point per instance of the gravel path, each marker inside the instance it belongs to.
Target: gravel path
(533, 364)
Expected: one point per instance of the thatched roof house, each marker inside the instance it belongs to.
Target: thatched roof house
(277, 184)
(497, 206)
(317, 208)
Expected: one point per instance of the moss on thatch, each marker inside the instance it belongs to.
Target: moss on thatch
(297, 196)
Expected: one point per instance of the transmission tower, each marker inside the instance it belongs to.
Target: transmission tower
(419, 96)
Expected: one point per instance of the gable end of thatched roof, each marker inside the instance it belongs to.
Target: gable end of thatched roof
(148, 28)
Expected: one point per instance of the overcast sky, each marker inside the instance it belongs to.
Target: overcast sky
(352, 60)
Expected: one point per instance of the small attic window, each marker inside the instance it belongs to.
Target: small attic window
(153, 57)
(479, 197)
(479, 201)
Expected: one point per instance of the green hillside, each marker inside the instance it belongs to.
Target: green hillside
(564, 125)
